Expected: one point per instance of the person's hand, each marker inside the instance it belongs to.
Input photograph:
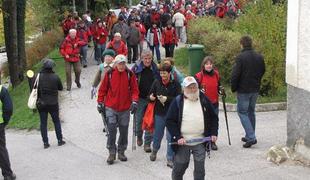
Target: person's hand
(133, 107)
(152, 97)
(162, 99)
(181, 141)
(93, 92)
(75, 45)
(100, 107)
(213, 138)
(98, 38)
(67, 56)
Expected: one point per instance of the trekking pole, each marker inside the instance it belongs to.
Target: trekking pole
(104, 119)
(134, 132)
(200, 140)
(225, 112)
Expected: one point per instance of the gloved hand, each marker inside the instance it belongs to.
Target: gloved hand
(133, 107)
(93, 92)
(162, 99)
(100, 107)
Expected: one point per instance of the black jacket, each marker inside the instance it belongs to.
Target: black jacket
(49, 85)
(7, 105)
(171, 91)
(175, 113)
(247, 72)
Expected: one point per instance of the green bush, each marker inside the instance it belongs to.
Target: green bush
(269, 32)
(264, 22)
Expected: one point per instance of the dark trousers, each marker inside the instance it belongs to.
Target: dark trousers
(182, 158)
(4, 155)
(169, 50)
(43, 126)
(132, 53)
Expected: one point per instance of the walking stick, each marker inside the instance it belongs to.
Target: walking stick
(104, 118)
(134, 132)
(225, 112)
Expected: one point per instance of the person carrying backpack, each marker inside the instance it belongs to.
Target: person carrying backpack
(6, 113)
(146, 72)
(169, 39)
(118, 95)
(209, 82)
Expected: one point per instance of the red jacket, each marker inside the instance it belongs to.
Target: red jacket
(71, 47)
(122, 49)
(155, 17)
(100, 34)
(210, 83)
(67, 25)
(169, 36)
(83, 34)
(142, 32)
(118, 90)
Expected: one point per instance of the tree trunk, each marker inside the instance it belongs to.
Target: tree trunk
(10, 36)
(21, 13)
(85, 5)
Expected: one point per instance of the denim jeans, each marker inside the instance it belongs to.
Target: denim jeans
(156, 48)
(160, 124)
(216, 110)
(139, 115)
(246, 111)
(98, 52)
(83, 52)
(43, 124)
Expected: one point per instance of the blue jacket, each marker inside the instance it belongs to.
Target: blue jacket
(138, 68)
(175, 113)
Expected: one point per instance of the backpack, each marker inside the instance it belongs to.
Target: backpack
(129, 74)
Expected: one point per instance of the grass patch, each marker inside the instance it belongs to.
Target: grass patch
(23, 117)
(181, 60)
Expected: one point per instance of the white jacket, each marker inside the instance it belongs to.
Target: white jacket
(178, 19)
(150, 36)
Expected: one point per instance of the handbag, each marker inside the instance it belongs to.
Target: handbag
(32, 100)
(148, 118)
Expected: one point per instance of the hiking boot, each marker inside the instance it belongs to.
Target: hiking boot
(103, 130)
(111, 159)
(139, 141)
(11, 177)
(213, 146)
(147, 148)
(85, 66)
(170, 163)
(121, 156)
(243, 139)
(248, 144)
(61, 142)
(153, 155)
(46, 145)
(78, 84)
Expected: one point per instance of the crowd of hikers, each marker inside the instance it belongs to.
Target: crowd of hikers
(130, 81)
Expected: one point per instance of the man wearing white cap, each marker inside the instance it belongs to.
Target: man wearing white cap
(118, 95)
(190, 117)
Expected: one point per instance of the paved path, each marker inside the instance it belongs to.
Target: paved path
(84, 155)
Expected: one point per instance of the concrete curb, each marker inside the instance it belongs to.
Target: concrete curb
(259, 107)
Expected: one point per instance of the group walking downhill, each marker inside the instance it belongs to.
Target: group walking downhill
(133, 79)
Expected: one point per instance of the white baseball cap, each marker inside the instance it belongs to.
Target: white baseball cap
(188, 81)
(120, 58)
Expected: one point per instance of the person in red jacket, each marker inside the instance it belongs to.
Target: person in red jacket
(70, 50)
(68, 24)
(118, 46)
(142, 30)
(118, 96)
(100, 34)
(209, 81)
(169, 39)
(83, 33)
(155, 16)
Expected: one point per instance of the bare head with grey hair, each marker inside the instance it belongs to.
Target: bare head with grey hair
(72, 33)
(147, 58)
